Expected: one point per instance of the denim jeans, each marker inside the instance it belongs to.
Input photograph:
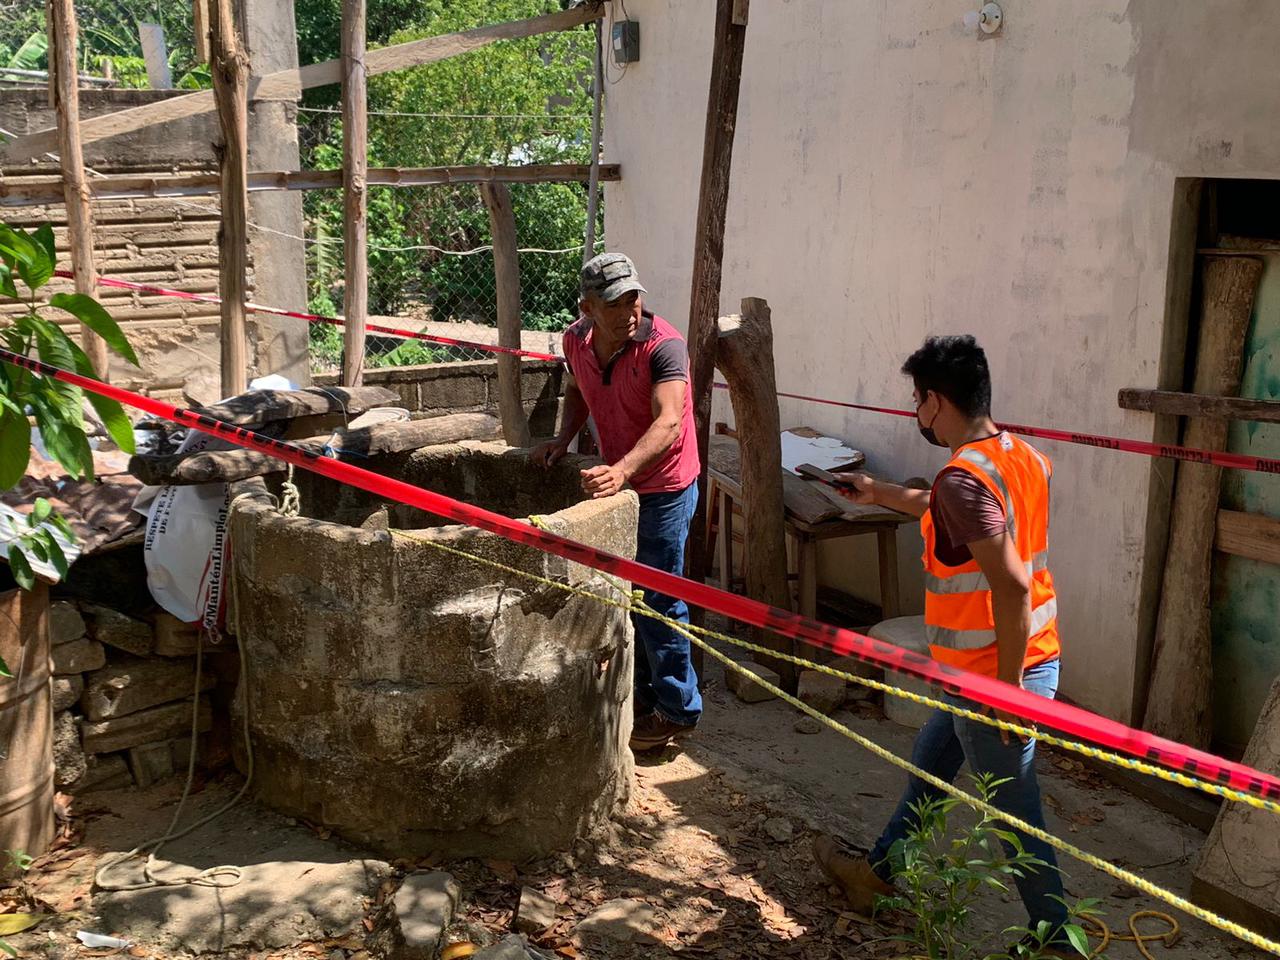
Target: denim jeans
(944, 743)
(665, 679)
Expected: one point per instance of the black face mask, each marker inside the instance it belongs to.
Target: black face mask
(927, 432)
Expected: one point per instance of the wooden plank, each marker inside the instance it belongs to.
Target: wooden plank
(62, 40)
(1251, 535)
(593, 181)
(1179, 700)
(228, 466)
(230, 85)
(289, 84)
(355, 165)
(708, 245)
(803, 502)
(744, 354)
(16, 193)
(1198, 405)
(506, 268)
(200, 29)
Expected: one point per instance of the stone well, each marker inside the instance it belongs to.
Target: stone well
(418, 702)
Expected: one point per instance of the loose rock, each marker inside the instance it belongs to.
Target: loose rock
(109, 772)
(68, 756)
(146, 726)
(173, 638)
(746, 689)
(65, 623)
(66, 691)
(808, 725)
(120, 689)
(120, 631)
(512, 947)
(77, 656)
(821, 691)
(415, 919)
(629, 921)
(779, 829)
(536, 913)
(151, 762)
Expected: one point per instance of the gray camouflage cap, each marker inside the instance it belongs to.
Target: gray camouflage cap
(610, 276)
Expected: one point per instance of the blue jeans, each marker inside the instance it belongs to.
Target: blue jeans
(944, 743)
(665, 679)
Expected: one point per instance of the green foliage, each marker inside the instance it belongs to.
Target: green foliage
(944, 878)
(519, 101)
(57, 407)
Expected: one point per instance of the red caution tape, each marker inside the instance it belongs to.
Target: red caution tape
(316, 318)
(985, 690)
(1217, 458)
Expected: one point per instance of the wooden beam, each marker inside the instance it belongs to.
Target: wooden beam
(745, 356)
(1197, 405)
(593, 181)
(506, 269)
(355, 201)
(1179, 701)
(62, 64)
(15, 193)
(289, 84)
(256, 410)
(708, 247)
(231, 86)
(1250, 535)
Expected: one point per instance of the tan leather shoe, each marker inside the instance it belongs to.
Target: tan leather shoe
(852, 874)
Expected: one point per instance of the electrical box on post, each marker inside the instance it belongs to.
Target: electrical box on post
(626, 41)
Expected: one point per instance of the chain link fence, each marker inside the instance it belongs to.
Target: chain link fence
(431, 270)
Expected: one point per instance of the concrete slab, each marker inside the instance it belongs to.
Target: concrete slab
(294, 887)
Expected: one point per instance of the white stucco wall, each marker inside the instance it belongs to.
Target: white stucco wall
(894, 176)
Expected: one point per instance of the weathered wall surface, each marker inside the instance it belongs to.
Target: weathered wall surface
(470, 386)
(171, 242)
(894, 177)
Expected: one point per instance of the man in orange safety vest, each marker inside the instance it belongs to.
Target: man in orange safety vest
(990, 607)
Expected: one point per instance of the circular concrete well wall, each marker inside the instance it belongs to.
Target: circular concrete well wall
(417, 701)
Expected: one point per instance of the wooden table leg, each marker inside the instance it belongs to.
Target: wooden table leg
(807, 564)
(712, 530)
(887, 541)
(724, 544)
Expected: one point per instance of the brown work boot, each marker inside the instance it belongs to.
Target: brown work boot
(851, 873)
(653, 731)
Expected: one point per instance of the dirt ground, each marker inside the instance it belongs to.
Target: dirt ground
(709, 859)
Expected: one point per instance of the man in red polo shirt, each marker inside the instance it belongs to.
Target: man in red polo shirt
(629, 370)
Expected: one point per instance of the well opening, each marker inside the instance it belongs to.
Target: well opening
(419, 702)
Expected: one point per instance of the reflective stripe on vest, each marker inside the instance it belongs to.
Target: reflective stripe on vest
(1041, 617)
(973, 582)
(984, 463)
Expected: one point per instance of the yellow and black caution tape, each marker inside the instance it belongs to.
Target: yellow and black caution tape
(636, 605)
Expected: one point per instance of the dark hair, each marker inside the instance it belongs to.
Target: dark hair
(956, 368)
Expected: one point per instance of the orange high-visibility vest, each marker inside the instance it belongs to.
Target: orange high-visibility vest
(957, 604)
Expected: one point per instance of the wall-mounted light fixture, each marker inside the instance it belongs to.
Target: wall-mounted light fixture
(989, 19)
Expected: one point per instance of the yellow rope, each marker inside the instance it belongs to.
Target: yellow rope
(637, 606)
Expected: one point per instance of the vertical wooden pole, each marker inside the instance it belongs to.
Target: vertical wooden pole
(355, 202)
(506, 268)
(200, 28)
(231, 91)
(1179, 702)
(745, 352)
(708, 244)
(593, 180)
(62, 69)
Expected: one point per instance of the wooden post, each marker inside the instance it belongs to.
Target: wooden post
(708, 245)
(744, 354)
(200, 28)
(230, 70)
(355, 167)
(1179, 700)
(593, 182)
(506, 269)
(75, 187)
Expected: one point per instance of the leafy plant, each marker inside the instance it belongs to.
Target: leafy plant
(58, 408)
(944, 878)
